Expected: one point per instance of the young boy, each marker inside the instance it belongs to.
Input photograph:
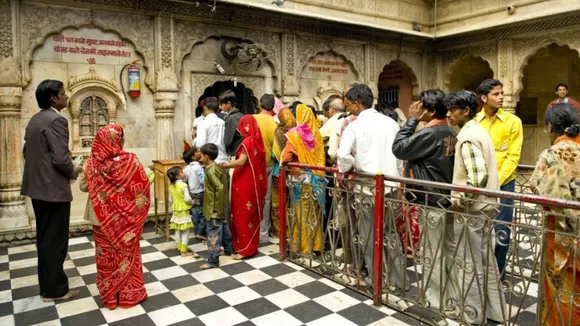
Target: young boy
(215, 199)
(194, 176)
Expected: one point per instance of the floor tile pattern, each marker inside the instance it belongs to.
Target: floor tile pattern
(258, 291)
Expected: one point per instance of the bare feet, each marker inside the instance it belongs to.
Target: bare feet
(238, 257)
(71, 294)
(187, 254)
(206, 266)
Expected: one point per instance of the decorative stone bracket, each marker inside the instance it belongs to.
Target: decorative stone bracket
(324, 92)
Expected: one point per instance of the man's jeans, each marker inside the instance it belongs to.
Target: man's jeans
(199, 221)
(267, 214)
(218, 235)
(503, 231)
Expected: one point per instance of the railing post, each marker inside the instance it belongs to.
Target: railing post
(282, 212)
(378, 238)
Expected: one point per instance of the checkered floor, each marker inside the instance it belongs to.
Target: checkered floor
(257, 291)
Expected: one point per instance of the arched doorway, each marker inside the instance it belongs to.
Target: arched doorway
(544, 70)
(468, 73)
(396, 84)
(246, 102)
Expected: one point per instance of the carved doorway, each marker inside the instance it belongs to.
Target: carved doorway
(93, 104)
(93, 115)
(246, 102)
(397, 85)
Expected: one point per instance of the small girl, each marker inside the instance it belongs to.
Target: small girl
(181, 205)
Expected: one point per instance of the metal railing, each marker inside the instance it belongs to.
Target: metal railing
(348, 228)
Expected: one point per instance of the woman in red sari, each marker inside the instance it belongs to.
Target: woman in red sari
(119, 192)
(249, 185)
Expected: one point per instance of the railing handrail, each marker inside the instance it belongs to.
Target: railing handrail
(528, 198)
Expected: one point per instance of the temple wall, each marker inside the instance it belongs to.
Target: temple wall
(179, 47)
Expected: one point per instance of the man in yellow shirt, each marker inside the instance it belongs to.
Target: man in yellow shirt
(267, 126)
(506, 133)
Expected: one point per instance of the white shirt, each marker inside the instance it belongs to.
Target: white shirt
(328, 127)
(196, 122)
(194, 175)
(370, 139)
(211, 130)
(334, 139)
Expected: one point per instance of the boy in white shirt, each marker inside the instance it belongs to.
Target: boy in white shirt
(194, 175)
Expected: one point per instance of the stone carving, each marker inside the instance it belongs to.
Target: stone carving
(10, 72)
(166, 80)
(410, 61)
(309, 47)
(372, 64)
(324, 92)
(199, 82)
(487, 52)
(89, 85)
(38, 22)
(270, 42)
(189, 34)
(5, 28)
(524, 48)
(290, 54)
(12, 208)
(165, 28)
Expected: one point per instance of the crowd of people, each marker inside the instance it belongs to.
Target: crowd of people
(227, 193)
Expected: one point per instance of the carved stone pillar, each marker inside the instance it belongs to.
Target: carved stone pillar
(164, 113)
(371, 75)
(290, 88)
(12, 208)
(510, 102)
(507, 75)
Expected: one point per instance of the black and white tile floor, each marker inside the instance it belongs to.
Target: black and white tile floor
(257, 291)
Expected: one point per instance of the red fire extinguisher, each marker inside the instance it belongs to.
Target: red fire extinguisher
(134, 78)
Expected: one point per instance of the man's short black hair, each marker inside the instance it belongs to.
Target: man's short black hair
(362, 94)
(561, 85)
(394, 105)
(228, 96)
(487, 85)
(211, 103)
(46, 90)
(461, 100)
(211, 150)
(432, 100)
(267, 102)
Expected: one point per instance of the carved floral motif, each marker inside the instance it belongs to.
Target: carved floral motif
(5, 28)
(165, 28)
(524, 48)
(487, 52)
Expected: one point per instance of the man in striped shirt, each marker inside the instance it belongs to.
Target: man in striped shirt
(475, 165)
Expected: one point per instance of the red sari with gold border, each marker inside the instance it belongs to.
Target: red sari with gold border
(249, 186)
(119, 192)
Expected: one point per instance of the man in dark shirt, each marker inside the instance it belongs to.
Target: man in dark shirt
(430, 155)
(232, 139)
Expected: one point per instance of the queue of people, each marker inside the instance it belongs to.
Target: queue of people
(227, 194)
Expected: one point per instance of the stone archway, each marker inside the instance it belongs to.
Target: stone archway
(546, 68)
(467, 73)
(398, 83)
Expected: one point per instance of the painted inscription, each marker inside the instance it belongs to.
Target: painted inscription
(90, 46)
(328, 66)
